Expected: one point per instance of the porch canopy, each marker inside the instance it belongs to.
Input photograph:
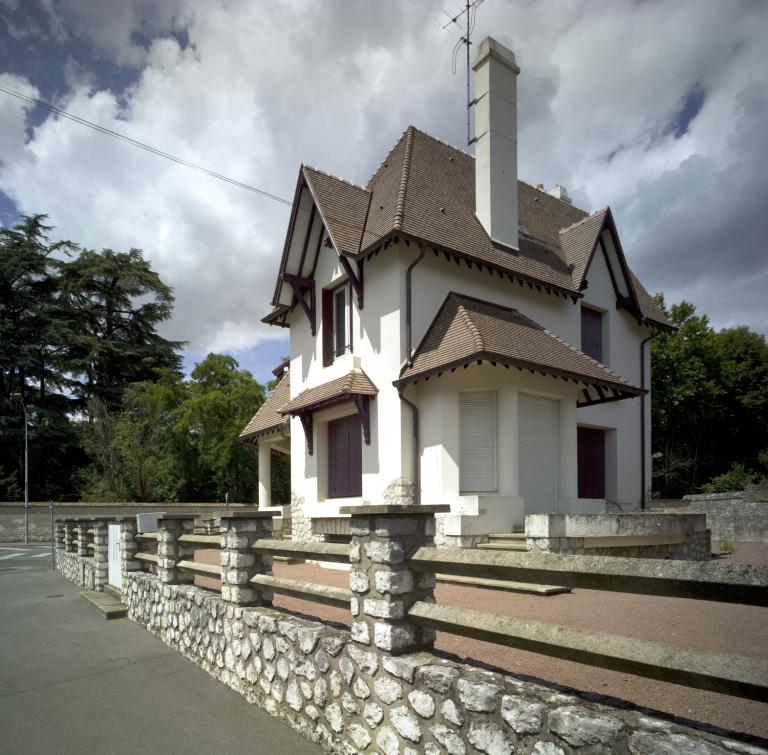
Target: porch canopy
(354, 386)
(468, 330)
(268, 421)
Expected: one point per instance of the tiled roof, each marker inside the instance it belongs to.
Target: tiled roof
(268, 418)
(466, 330)
(354, 383)
(425, 189)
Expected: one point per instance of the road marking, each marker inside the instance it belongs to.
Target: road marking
(10, 549)
(12, 555)
(41, 555)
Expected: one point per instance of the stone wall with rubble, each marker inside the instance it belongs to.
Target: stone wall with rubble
(739, 516)
(351, 698)
(78, 569)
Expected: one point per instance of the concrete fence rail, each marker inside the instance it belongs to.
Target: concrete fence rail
(379, 687)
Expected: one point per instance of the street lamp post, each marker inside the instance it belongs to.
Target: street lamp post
(26, 469)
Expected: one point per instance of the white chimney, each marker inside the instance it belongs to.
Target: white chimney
(496, 141)
(560, 192)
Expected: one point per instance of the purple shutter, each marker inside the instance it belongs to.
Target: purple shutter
(345, 458)
(327, 328)
(592, 333)
(591, 461)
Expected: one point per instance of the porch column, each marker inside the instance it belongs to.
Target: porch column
(170, 550)
(100, 554)
(239, 531)
(385, 587)
(265, 475)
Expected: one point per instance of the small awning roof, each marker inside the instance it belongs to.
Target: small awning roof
(268, 419)
(468, 330)
(354, 383)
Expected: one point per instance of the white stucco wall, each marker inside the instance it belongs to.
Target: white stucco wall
(379, 338)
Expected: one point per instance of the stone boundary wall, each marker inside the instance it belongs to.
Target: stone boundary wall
(570, 534)
(351, 698)
(78, 569)
(737, 516)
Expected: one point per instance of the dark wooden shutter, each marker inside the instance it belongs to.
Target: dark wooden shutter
(345, 458)
(327, 328)
(591, 461)
(592, 333)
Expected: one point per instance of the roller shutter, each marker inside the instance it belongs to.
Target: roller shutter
(538, 454)
(477, 428)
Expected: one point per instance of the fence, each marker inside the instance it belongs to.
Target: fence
(392, 579)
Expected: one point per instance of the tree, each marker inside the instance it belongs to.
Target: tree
(221, 400)
(115, 302)
(710, 401)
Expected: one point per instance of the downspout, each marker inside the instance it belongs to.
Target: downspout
(642, 419)
(408, 319)
(415, 451)
(409, 361)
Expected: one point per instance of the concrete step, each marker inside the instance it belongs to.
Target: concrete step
(107, 605)
(113, 591)
(503, 584)
(503, 545)
(507, 536)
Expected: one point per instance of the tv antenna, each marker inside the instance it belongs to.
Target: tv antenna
(468, 16)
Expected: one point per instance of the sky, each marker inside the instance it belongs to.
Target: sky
(656, 109)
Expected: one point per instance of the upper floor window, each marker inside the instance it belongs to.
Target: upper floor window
(592, 333)
(337, 323)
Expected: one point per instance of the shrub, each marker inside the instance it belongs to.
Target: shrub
(736, 478)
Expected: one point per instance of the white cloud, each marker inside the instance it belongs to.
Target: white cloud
(258, 92)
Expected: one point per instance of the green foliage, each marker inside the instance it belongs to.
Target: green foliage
(736, 478)
(710, 401)
(726, 547)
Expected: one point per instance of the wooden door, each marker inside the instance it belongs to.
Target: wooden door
(591, 461)
(345, 457)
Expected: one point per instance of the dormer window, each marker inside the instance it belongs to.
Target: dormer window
(337, 323)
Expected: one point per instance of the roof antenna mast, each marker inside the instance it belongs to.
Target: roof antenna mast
(470, 11)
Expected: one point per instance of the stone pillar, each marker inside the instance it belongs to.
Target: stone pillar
(81, 528)
(100, 554)
(69, 527)
(239, 531)
(385, 587)
(265, 475)
(128, 545)
(58, 535)
(170, 551)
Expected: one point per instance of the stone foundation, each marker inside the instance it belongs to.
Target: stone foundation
(78, 569)
(739, 516)
(355, 699)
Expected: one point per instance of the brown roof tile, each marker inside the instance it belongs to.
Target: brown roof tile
(354, 383)
(468, 329)
(268, 418)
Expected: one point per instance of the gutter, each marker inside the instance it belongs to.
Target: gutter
(642, 417)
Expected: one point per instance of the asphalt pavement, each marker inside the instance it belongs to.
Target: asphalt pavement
(71, 682)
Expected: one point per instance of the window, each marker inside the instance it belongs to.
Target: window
(477, 429)
(591, 461)
(592, 333)
(337, 323)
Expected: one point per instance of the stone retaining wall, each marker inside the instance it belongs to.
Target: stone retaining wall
(78, 569)
(738, 516)
(351, 698)
(573, 534)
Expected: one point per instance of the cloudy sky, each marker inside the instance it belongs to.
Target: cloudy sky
(658, 109)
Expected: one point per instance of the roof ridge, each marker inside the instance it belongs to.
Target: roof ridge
(405, 171)
(584, 220)
(338, 178)
(386, 157)
(471, 327)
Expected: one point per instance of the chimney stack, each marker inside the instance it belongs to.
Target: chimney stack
(496, 141)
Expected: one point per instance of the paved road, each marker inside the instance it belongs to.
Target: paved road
(71, 682)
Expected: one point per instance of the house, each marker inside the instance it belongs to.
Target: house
(457, 336)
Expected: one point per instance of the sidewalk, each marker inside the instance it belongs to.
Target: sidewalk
(71, 682)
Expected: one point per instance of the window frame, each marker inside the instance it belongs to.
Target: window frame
(329, 324)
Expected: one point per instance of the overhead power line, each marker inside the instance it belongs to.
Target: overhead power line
(142, 145)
